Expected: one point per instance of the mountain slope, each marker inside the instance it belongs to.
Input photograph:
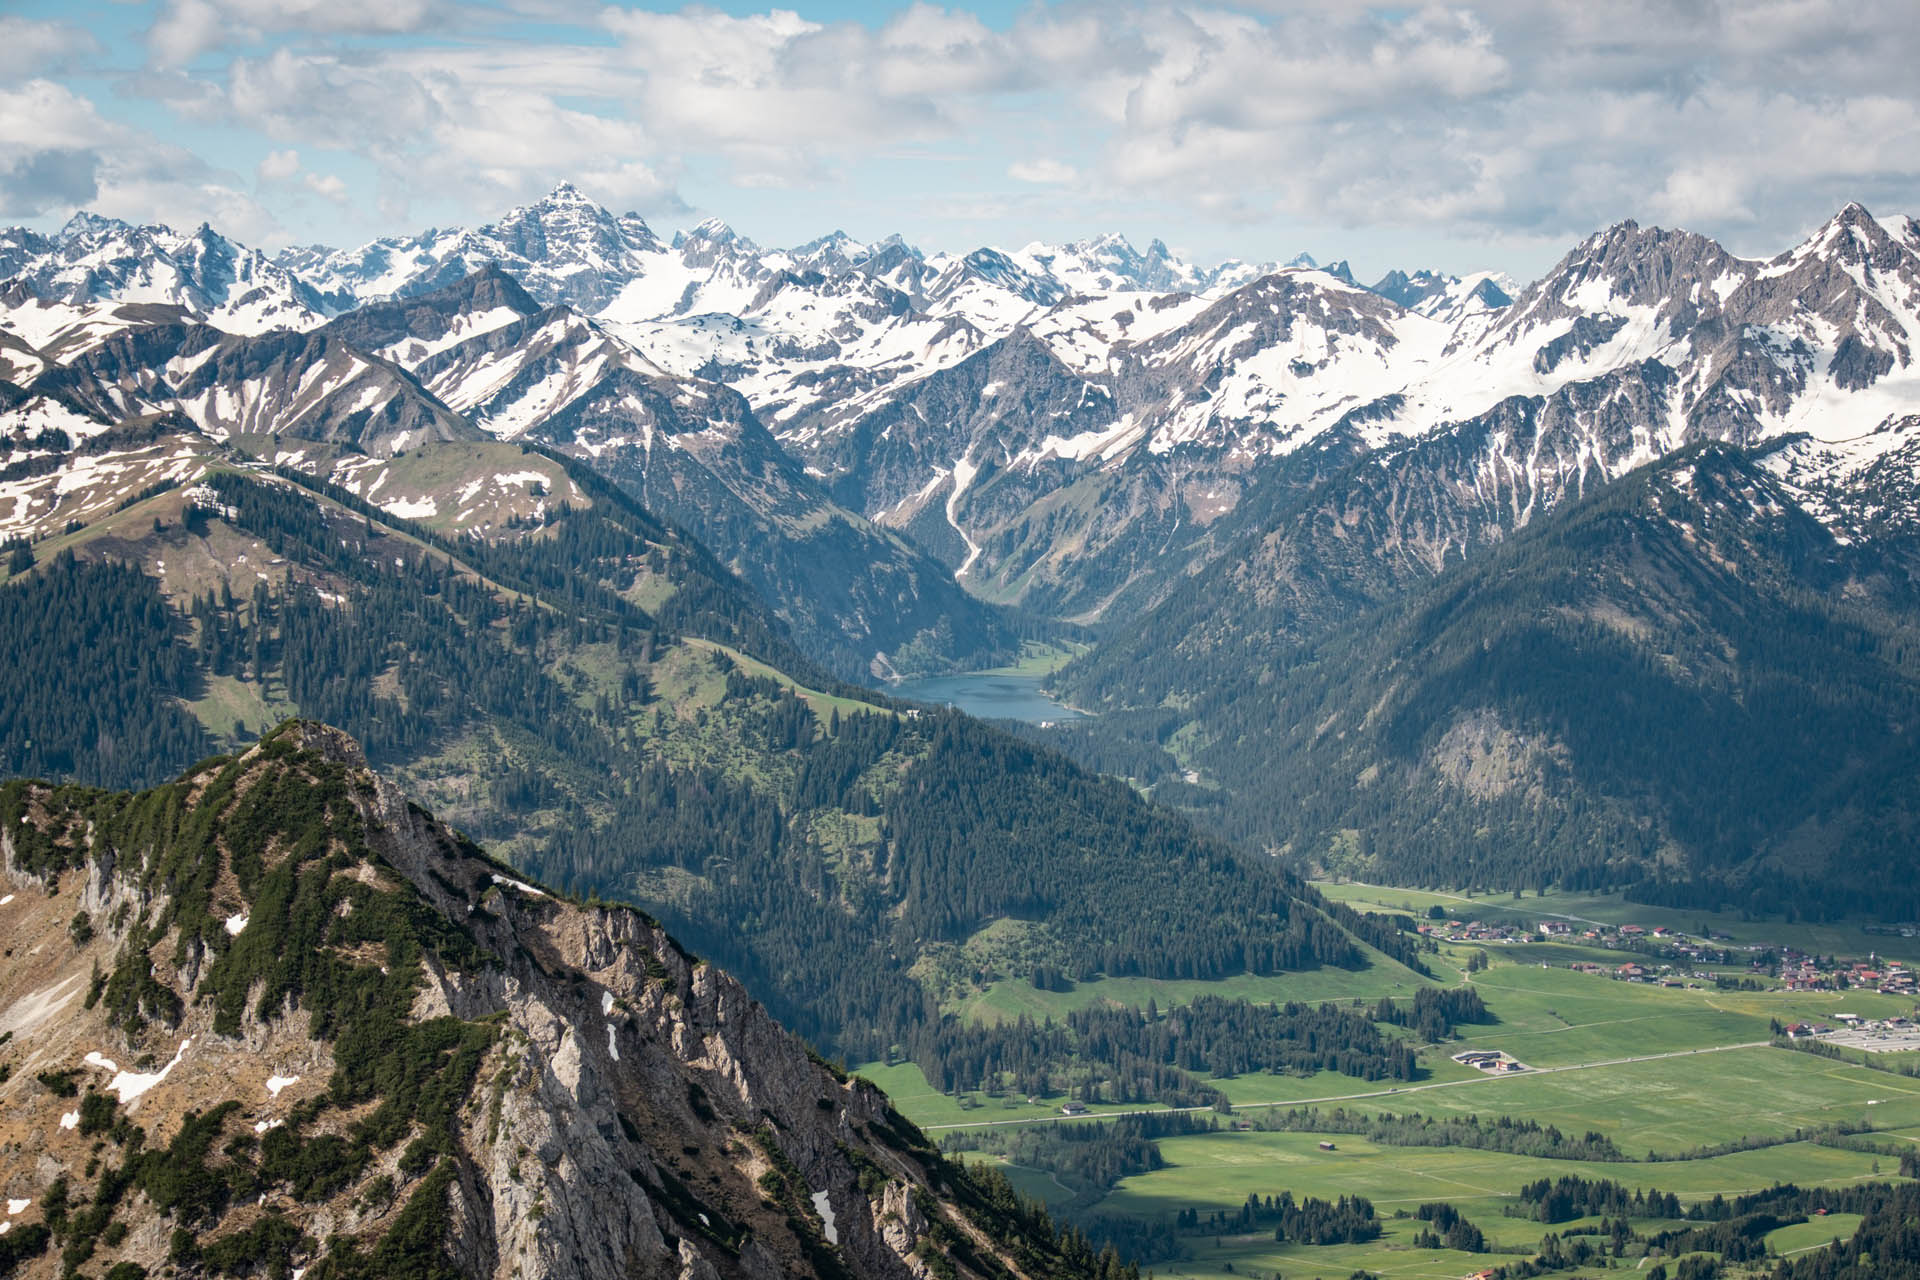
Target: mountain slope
(376, 1052)
(1683, 683)
(862, 600)
(599, 699)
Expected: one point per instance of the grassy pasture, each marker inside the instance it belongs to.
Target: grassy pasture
(916, 1099)
(1007, 999)
(1665, 1069)
(1219, 1171)
(1813, 1233)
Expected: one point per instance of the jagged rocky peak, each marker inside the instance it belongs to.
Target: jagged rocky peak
(1109, 263)
(1855, 237)
(1410, 290)
(492, 286)
(1650, 266)
(1444, 296)
(566, 226)
(488, 287)
(710, 230)
(563, 247)
(95, 259)
(273, 1016)
(709, 243)
(87, 225)
(1490, 293)
(408, 330)
(999, 271)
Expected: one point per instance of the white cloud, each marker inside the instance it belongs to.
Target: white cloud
(186, 29)
(327, 186)
(38, 49)
(1519, 117)
(58, 154)
(278, 166)
(1043, 172)
(1508, 120)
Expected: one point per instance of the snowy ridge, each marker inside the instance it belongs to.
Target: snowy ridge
(1073, 404)
(93, 260)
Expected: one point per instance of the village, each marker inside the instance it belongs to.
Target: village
(1668, 957)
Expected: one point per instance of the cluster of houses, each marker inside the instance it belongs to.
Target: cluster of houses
(1473, 931)
(1858, 1030)
(1671, 958)
(1599, 935)
(1800, 972)
(1632, 971)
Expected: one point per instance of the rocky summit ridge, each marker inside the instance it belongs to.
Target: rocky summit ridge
(272, 1018)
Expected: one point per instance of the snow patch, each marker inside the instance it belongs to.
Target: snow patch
(235, 923)
(95, 1059)
(70, 1120)
(130, 1085)
(613, 1047)
(276, 1083)
(411, 508)
(823, 1205)
(963, 473)
(17, 1207)
(521, 885)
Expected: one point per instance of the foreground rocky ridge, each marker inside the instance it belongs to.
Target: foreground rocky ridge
(272, 1018)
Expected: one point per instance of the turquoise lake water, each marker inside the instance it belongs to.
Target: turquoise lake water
(991, 697)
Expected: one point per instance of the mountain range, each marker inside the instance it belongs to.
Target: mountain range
(923, 461)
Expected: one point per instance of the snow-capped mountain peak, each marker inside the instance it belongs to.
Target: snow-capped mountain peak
(1109, 263)
(712, 230)
(563, 248)
(85, 224)
(96, 260)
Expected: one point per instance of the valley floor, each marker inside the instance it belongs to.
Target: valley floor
(1686, 1073)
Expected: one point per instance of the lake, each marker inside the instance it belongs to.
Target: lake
(989, 696)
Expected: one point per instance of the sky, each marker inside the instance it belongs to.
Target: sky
(1456, 137)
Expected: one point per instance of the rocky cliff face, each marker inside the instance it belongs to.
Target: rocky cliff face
(274, 1019)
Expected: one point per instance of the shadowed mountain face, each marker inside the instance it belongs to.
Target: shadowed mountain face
(1682, 683)
(861, 599)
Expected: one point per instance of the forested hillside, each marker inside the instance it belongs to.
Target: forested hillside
(595, 694)
(1682, 684)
